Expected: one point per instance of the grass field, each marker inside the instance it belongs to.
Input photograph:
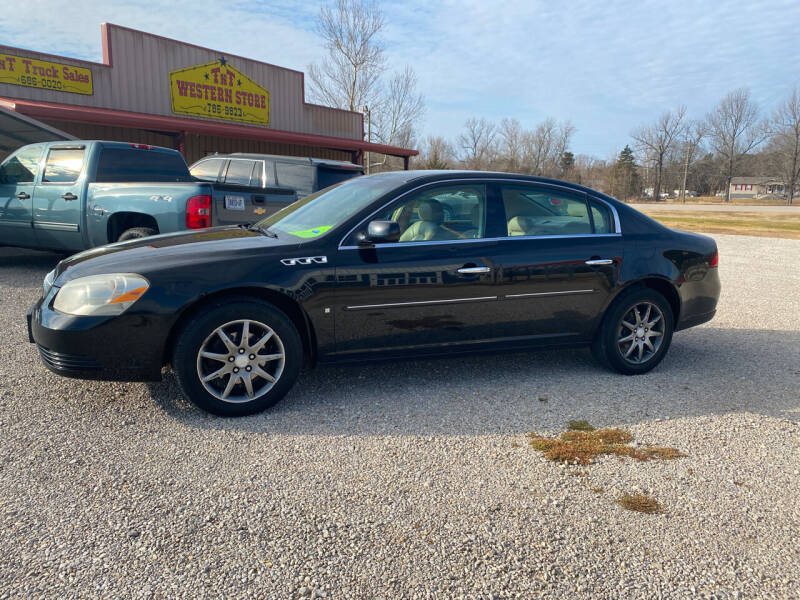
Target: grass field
(740, 223)
(763, 201)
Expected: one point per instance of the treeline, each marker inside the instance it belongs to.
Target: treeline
(673, 152)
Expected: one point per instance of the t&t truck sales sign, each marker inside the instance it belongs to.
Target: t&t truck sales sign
(46, 75)
(218, 90)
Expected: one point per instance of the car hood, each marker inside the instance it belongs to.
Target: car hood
(168, 251)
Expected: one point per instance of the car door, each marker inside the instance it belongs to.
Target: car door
(58, 201)
(17, 177)
(431, 291)
(558, 264)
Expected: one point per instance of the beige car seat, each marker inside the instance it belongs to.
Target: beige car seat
(429, 227)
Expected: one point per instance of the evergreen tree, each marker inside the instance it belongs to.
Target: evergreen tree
(625, 181)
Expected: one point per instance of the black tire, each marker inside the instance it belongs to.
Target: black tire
(200, 333)
(134, 233)
(608, 347)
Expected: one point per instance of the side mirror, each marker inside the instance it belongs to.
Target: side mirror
(381, 232)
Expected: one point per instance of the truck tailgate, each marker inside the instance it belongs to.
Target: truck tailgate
(233, 204)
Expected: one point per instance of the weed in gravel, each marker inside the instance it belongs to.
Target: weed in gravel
(582, 425)
(582, 446)
(640, 503)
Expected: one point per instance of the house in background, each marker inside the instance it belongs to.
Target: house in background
(756, 187)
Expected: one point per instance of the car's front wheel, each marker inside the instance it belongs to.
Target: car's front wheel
(237, 358)
(636, 332)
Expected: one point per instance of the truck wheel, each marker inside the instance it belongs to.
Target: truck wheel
(237, 358)
(134, 233)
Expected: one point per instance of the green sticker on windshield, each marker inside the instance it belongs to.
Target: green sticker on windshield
(313, 232)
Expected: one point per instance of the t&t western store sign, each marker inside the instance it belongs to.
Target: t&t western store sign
(218, 90)
(46, 75)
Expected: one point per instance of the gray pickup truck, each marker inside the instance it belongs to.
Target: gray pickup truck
(261, 184)
(69, 196)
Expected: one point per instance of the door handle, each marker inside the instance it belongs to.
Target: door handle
(23, 196)
(474, 270)
(69, 196)
(600, 261)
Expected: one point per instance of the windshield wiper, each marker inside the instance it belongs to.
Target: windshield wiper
(265, 230)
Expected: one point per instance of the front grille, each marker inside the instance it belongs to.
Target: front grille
(68, 362)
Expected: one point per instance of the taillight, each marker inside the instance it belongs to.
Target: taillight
(198, 212)
(714, 259)
(142, 146)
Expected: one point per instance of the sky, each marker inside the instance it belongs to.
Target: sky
(607, 67)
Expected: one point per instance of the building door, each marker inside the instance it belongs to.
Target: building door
(17, 176)
(58, 202)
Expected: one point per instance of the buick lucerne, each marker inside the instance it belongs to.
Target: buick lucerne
(410, 263)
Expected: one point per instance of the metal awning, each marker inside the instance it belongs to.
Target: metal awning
(123, 118)
(17, 130)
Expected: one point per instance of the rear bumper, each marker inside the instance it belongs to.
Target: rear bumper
(105, 348)
(699, 300)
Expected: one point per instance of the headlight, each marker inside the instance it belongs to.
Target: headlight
(48, 282)
(100, 294)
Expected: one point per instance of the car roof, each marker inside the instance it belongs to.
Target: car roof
(425, 176)
(291, 159)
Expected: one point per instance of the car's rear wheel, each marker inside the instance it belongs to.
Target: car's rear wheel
(636, 332)
(238, 358)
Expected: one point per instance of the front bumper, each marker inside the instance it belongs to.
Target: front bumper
(121, 348)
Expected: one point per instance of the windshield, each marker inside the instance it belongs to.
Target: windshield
(315, 215)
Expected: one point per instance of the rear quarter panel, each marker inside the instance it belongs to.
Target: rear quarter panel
(165, 202)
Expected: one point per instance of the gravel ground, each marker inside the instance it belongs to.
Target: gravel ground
(413, 480)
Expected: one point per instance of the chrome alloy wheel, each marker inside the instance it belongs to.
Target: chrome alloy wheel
(640, 332)
(240, 361)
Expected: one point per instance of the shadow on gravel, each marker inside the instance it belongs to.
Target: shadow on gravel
(707, 371)
(12, 259)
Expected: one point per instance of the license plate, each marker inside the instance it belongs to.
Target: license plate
(234, 202)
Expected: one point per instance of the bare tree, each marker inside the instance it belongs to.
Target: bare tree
(436, 153)
(348, 76)
(734, 130)
(478, 143)
(657, 140)
(543, 147)
(691, 138)
(511, 138)
(786, 141)
(399, 109)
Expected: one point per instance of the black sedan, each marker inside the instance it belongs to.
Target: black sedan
(386, 266)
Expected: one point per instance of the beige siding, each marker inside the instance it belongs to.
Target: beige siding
(138, 81)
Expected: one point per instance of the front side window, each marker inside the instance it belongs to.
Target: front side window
(543, 212)
(438, 214)
(207, 170)
(240, 171)
(63, 165)
(21, 167)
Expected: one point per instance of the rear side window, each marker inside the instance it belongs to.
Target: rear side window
(542, 212)
(130, 164)
(22, 167)
(63, 165)
(603, 222)
(299, 177)
(327, 177)
(240, 172)
(207, 170)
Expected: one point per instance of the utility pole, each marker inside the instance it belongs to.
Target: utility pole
(685, 175)
(365, 110)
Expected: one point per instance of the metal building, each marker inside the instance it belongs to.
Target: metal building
(154, 90)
